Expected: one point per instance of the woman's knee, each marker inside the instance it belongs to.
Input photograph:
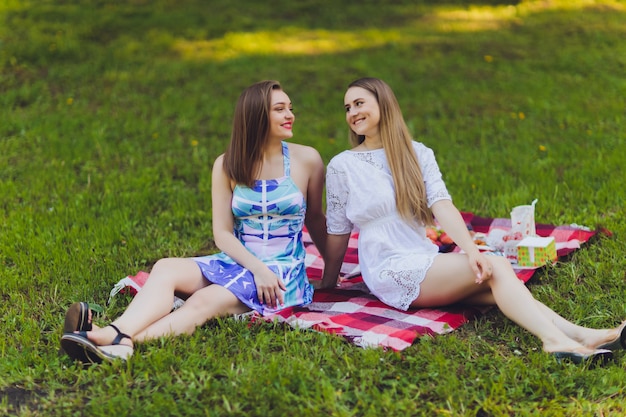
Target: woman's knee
(162, 270)
(165, 264)
(502, 270)
(500, 263)
(214, 301)
(182, 274)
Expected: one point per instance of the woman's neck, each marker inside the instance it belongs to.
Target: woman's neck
(272, 149)
(372, 143)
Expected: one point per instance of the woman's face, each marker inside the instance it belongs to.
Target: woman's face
(281, 116)
(362, 111)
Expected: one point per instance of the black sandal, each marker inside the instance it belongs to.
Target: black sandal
(80, 348)
(119, 336)
(77, 318)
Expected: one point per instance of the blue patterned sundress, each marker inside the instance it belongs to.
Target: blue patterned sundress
(268, 221)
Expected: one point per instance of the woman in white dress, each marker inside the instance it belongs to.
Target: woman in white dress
(390, 188)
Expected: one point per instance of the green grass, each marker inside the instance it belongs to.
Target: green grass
(112, 113)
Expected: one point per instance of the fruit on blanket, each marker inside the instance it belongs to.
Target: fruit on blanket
(445, 239)
(439, 237)
(432, 234)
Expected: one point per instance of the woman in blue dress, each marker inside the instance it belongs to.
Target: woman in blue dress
(264, 190)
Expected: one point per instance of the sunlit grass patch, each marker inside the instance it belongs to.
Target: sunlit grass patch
(472, 18)
(288, 41)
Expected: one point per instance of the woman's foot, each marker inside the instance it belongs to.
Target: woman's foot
(109, 335)
(612, 339)
(616, 339)
(81, 347)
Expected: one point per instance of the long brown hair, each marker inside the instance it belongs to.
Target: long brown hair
(250, 132)
(408, 180)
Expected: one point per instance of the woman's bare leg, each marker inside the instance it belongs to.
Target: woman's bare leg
(480, 299)
(450, 279)
(584, 335)
(203, 305)
(155, 299)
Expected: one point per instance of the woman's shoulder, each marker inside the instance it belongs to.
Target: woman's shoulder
(422, 150)
(303, 152)
(219, 174)
(340, 158)
(219, 162)
(419, 146)
(298, 148)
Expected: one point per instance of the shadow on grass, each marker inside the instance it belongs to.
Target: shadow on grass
(18, 398)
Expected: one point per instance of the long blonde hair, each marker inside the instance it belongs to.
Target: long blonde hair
(410, 190)
(250, 132)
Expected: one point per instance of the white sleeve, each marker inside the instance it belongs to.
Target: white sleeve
(337, 193)
(435, 187)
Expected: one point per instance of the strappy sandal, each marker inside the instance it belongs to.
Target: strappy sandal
(77, 318)
(80, 348)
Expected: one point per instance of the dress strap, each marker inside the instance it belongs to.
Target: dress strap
(286, 164)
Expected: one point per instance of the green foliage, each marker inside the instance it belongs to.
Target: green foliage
(113, 111)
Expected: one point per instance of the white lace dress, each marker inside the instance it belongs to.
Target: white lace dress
(393, 256)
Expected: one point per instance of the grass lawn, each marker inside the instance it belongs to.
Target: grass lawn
(112, 113)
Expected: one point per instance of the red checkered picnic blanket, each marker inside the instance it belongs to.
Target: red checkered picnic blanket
(352, 312)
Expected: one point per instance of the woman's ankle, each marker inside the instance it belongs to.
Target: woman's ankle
(106, 336)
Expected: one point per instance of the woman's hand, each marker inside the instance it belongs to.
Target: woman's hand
(269, 288)
(452, 222)
(481, 266)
